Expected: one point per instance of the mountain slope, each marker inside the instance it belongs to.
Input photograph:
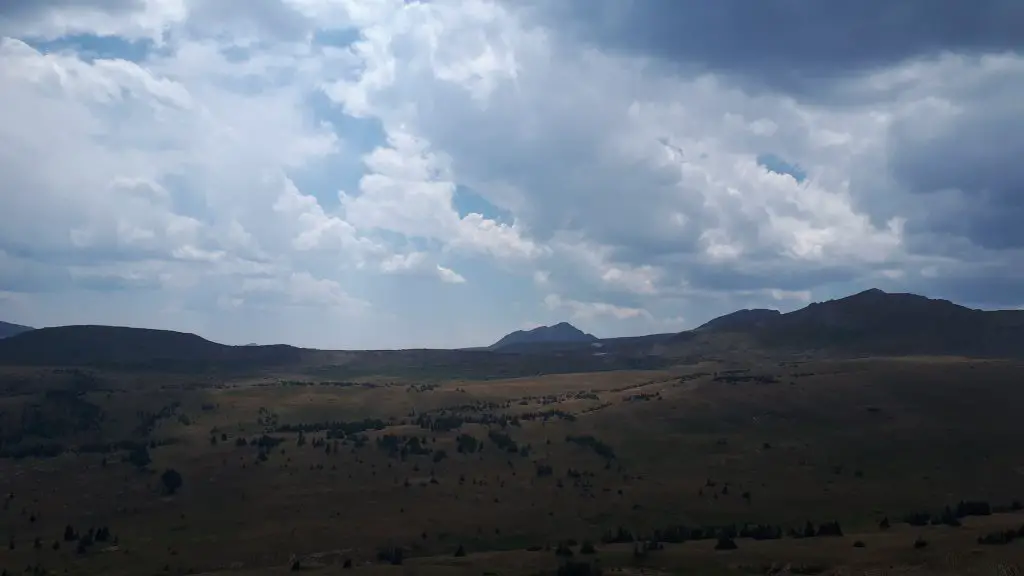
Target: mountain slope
(7, 329)
(563, 332)
(877, 322)
(134, 347)
(742, 320)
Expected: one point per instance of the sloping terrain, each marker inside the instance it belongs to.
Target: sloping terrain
(7, 329)
(915, 459)
(178, 352)
(874, 322)
(133, 347)
(563, 332)
(742, 320)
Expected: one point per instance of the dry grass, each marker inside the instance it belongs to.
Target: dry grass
(852, 441)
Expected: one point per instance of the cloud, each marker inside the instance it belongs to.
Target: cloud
(55, 18)
(301, 289)
(793, 44)
(407, 190)
(233, 168)
(419, 263)
(590, 310)
(448, 275)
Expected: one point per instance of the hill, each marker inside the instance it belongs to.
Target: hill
(7, 329)
(560, 333)
(742, 319)
(134, 347)
(869, 323)
(875, 322)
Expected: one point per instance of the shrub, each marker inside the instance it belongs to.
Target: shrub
(139, 457)
(725, 543)
(466, 444)
(973, 508)
(998, 538)
(619, 536)
(830, 529)
(917, 518)
(391, 555)
(171, 480)
(578, 569)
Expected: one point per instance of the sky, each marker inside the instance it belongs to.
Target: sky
(397, 173)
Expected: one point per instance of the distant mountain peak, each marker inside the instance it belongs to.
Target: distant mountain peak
(872, 292)
(561, 332)
(876, 322)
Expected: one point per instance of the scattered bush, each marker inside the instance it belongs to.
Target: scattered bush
(594, 444)
(171, 480)
(467, 444)
(503, 441)
(139, 457)
(578, 569)
(725, 543)
(392, 555)
(830, 529)
(619, 536)
(999, 538)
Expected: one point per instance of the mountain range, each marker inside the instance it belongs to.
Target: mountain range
(872, 322)
(137, 347)
(877, 322)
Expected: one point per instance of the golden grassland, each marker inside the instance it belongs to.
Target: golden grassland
(778, 443)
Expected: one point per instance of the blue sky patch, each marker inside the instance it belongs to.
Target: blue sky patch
(780, 166)
(89, 47)
(467, 201)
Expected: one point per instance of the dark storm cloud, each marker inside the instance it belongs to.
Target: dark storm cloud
(986, 289)
(788, 43)
(965, 173)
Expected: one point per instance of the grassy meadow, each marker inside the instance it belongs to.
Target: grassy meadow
(511, 476)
